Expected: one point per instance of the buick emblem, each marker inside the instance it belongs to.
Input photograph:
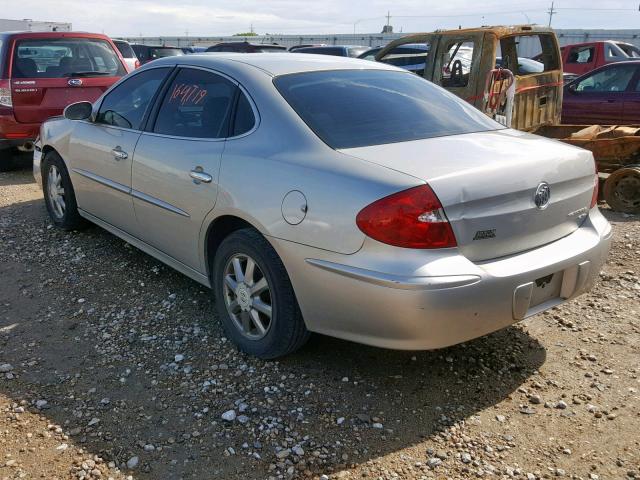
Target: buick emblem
(75, 82)
(542, 196)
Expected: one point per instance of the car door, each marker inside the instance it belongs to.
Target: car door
(631, 107)
(598, 97)
(177, 160)
(101, 151)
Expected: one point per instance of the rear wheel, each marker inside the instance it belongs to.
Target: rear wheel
(254, 297)
(622, 190)
(59, 196)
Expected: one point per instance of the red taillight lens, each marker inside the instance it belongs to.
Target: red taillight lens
(136, 64)
(5, 94)
(413, 218)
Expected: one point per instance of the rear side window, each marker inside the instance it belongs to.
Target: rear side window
(198, 104)
(244, 120)
(65, 57)
(126, 104)
(356, 108)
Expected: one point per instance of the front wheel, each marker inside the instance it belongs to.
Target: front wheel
(254, 297)
(59, 196)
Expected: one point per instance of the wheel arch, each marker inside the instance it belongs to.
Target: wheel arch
(217, 230)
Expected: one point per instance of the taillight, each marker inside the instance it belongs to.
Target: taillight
(5, 94)
(136, 64)
(413, 218)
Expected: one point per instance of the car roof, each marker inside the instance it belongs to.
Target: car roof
(27, 34)
(275, 64)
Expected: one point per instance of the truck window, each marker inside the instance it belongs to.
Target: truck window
(535, 54)
(457, 64)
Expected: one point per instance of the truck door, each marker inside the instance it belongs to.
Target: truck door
(457, 65)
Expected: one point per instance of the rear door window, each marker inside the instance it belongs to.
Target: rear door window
(126, 104)
(197, 104)
(65, 57)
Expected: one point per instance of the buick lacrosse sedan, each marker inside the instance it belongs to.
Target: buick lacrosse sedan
(331, 195)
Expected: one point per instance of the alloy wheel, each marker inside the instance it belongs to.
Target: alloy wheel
(55, 192)
(247, 296)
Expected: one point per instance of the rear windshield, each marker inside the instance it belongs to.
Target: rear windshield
(125, 49)
(161, 52)
(65, 57)
(357, 108)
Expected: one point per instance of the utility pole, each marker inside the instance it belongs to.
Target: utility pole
(388, 18)
(251, 28)
(551, 11)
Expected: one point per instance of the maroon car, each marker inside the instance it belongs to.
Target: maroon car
(607, 95)
(41, 73)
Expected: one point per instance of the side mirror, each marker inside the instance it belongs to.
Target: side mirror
(572, 87)
(78, 111)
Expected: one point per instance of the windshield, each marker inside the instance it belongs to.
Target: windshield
(63, 57)
(356, 108)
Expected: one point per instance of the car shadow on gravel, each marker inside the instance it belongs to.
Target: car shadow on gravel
(127, 353)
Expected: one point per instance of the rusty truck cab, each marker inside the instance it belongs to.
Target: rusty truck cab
(476, 63)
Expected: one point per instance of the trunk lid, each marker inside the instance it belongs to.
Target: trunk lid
(487, 181)
(36, 99)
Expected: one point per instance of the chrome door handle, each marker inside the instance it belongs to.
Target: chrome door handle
(199, 176)
(119, 154)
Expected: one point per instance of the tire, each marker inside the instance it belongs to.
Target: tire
(622, 190)
(284, 331)
(65, 217)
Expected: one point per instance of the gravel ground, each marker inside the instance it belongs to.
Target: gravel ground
(113, 366)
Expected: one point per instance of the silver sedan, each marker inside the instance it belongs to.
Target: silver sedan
(331, 195)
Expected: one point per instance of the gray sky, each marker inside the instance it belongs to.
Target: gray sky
(202, 17)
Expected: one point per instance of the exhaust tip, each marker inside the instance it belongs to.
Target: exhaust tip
(26, 147)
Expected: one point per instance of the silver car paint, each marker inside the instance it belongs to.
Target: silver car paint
(348, 285)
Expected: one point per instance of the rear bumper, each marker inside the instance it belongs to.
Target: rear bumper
(434, 299)
(14, 134)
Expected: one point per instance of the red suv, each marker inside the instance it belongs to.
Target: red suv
(41, 73)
